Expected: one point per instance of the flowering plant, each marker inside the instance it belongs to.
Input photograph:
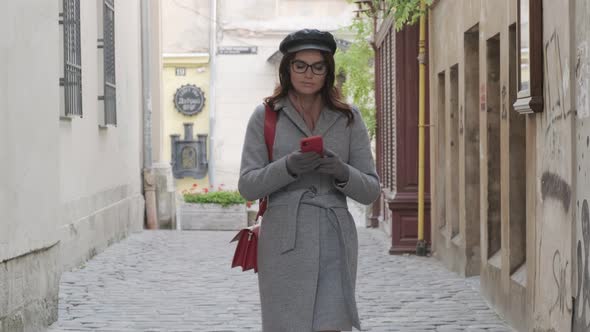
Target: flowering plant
(211, 196)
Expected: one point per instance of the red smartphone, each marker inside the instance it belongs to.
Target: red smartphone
(313, 143)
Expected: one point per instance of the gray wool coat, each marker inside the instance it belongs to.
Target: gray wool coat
(289, 244)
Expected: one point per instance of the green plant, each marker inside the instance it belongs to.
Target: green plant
(405, 12)
(223, 198)
(356, 65)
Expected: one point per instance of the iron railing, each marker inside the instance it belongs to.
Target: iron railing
(110, 89)
(72, 80)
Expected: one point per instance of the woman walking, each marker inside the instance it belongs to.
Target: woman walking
(307, 252)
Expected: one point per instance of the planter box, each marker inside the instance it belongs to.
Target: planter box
(213, 217)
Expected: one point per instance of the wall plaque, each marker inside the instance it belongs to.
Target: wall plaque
(189, 155)
(189, 99)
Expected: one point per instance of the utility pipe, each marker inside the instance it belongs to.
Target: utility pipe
(149, 183)
(376, 206)
(212, 74)
(421, 245)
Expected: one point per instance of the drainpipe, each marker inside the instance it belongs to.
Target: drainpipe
(421, 245)
(376, 206)
(149, 183)
(212, 73)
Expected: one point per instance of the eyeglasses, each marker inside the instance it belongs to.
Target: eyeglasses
(300, 67)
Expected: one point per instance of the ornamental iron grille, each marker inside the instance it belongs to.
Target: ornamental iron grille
(383, 112)
(110, 89)
(72, 80)
(393, 108)
(387, 112)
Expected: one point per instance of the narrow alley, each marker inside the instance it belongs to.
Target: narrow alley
(181, 281)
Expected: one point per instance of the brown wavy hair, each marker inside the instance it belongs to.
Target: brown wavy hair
(330, 94)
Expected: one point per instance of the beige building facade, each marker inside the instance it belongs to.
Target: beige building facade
(182, 70)
(509, 190)
(70, 178)
(244, 80)
(243, 68)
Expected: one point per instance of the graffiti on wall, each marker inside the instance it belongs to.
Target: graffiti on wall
(554, 91)
(461, 120)
(583, 80)
(553, 276)
(583, 273)
(504, 110)
(554, 98)
(557, 87)
(559, 276)
(556, 273)
(482, 97)
(554, 187)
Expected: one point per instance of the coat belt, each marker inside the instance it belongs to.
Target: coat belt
(329, 201)
(293, 199)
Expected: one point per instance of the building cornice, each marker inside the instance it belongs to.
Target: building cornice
(185, 58)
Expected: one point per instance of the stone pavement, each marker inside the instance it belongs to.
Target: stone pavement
(181, 281)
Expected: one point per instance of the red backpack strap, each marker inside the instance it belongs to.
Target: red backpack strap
(270, 128)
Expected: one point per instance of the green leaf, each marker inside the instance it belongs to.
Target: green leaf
(224, 198)
(356, 65)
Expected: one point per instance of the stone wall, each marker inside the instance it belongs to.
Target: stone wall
(581, 229)
(68, 187)
(29, 290)
(516, 172)
(98, 221)
(456, 49)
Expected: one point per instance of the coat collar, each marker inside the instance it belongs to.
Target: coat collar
(327, 118)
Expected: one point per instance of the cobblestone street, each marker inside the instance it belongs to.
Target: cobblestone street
(181, 281)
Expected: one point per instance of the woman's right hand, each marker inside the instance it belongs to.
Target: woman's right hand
(302, 162)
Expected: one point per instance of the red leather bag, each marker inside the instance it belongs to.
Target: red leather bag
(247, 249)
(246, 254)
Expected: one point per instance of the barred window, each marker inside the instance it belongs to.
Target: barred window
(71, 82)
(107, 94)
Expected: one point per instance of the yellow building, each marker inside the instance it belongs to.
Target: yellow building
(186, 101)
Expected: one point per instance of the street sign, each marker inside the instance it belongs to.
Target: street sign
(237, 50)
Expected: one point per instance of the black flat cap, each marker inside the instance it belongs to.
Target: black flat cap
(308, 39)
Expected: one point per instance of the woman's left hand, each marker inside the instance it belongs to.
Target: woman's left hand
(331, 164)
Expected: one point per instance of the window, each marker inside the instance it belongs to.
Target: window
(107, 94)
(71, 82)
(530, 57)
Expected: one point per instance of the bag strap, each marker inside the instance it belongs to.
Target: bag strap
(270, 128)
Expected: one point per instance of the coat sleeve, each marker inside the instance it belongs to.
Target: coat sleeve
(259, 177)
(363, 182)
